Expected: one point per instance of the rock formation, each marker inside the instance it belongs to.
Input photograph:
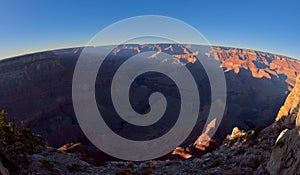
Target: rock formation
(288, 112)
(285, 157)
(260, 64)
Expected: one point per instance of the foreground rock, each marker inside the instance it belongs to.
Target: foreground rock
(285, 158)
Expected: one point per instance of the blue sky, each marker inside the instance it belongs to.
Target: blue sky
(33, 25)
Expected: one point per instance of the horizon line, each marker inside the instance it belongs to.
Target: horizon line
(76, 46)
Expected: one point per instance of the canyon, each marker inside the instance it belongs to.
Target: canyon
(36, 91)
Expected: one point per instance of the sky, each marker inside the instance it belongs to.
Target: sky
(28, 26)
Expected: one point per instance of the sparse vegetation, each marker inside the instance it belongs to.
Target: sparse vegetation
(15, 144)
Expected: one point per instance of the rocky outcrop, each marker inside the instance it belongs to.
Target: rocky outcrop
(285, 157)
(288, 112)
(236, 132)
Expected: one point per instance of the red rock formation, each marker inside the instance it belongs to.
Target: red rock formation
(203, 144)
(261, 64)
(180, 151)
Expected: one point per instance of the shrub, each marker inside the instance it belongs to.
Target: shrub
(15, 144)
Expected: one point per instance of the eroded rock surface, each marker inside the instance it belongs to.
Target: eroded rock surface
(285, 157)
